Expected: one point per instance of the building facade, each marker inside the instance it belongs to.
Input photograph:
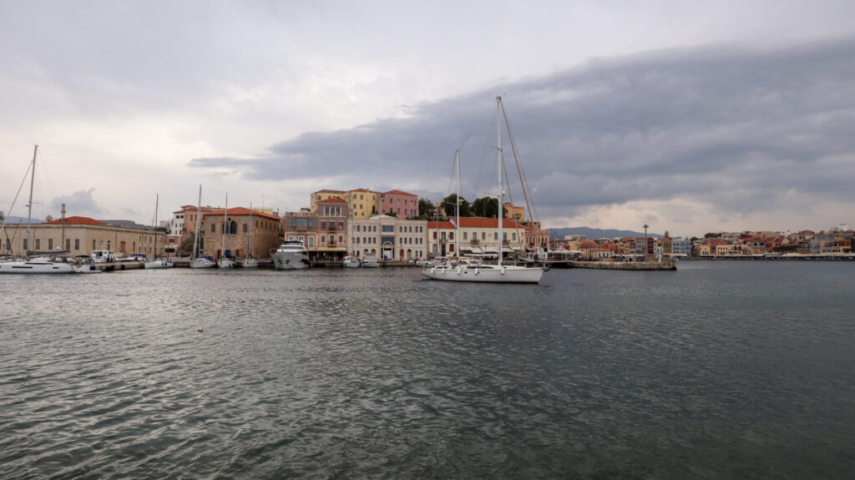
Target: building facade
(404, 205)
(363, 203)
(236, 224)
(478, 236)
(388, 238)
(81, 236)
(323, 231)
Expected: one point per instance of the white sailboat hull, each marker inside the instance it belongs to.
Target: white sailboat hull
(249, 263)
(290, 261)
(225, 263)
(24, 268)
(202, 263)
(158, 264)
(488, 274)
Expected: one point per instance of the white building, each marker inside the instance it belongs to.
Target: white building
(387, 238)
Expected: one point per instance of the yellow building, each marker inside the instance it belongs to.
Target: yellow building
(516, 214)
(321, 195)
(363, 203)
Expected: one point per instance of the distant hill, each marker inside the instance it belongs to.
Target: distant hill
(596, 233)
(13, 219)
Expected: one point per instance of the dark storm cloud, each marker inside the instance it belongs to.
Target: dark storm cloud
(737, 127)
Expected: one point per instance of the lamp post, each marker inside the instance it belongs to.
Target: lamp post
(646, 246)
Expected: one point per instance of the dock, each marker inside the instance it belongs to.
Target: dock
(665, 265)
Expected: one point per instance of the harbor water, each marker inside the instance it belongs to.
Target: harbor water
(717, 370)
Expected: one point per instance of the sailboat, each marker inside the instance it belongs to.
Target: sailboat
(248, 261)
(224, 261)
(38, 264)
(157, 263)
(465, 270)
(195, 260)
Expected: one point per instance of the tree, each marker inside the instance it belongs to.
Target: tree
(426, 208)
(186, 246)
(667, 235)
(712, 235)
(486, 207)
(449, 202)
(392, 214)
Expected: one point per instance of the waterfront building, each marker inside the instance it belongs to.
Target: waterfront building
(665, 246)
(536, 237)
(681, 246)
(184, 221)
(265, 233)
(81, 236)
(516, 214)
(325, 194)
(404, 205)
(388, 238)
(323, 231)
(478, 236)
(363, 203)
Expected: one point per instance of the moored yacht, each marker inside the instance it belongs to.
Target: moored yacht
(291, 255)
(350, 262)
(36, 265)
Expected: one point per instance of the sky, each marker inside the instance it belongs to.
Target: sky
(688, 116)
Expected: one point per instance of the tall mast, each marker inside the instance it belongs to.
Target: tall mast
(249, 243)
(457, 211)
(30, 210)
(225, 213)
(500, 196)
(198, 210)
(156, 205)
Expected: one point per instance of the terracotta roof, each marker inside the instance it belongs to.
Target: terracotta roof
(363, 190)
(240, 211)
(330, 191)
(332, 200)
(76, 221)
(398, 192)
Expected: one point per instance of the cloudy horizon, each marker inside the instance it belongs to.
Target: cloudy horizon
(690, 119)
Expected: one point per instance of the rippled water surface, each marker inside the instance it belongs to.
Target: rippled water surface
(742, 370)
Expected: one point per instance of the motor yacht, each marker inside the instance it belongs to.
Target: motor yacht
(291, 255)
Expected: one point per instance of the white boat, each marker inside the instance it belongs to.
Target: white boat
(467, 271)
(36, 264)
(202, 262)
(103, 256)
(195, 260)
(157, 263)
(291, 255)
(224, 261)
(248, 261)
(369, 262)
(87, 268)
(350, 262)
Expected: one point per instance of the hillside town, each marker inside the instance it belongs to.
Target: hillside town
(395, 225)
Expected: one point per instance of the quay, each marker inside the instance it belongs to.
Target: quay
(665, 265)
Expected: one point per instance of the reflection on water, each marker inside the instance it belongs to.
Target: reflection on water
(717, 370)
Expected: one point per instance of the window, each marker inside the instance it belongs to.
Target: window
(68, 244)
(324, 224)
(483, 235)
(213, 228)
(245, 228)
(25, 244)
(504, 236)
(233, 228)
(514, 236)
(434, 234)
(389, 228)
(465, 236)
(495, 235)
(340, 238)
(357, 228)
(302, 239)
(341, 225)
(50, 244)
(38, 244)
(93, 245)
(323, 239)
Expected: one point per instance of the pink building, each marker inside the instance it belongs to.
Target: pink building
(404, 205)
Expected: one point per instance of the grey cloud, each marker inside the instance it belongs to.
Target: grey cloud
(741, 128)
(80, 203)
